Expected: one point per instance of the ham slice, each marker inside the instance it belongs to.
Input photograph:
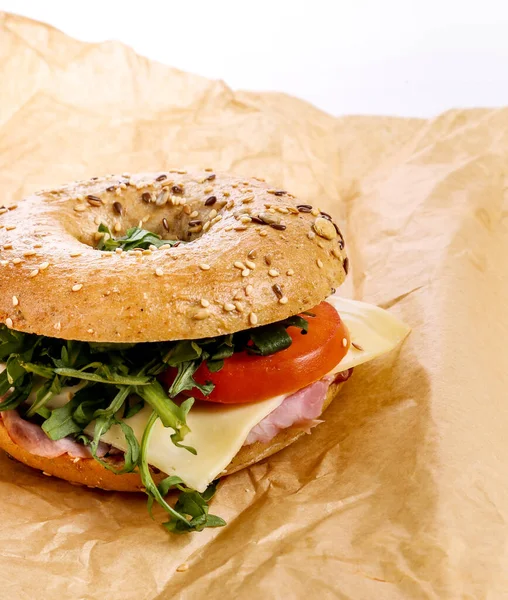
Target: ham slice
(32, 438)
(299, 410)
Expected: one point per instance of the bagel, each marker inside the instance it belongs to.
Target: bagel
(125, 295)
(245, 236)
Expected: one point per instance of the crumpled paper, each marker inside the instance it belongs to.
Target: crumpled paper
(403, 491)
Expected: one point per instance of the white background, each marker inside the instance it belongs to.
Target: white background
(395, 57)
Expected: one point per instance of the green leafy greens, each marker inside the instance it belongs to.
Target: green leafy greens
(135, 237)
(112, 382)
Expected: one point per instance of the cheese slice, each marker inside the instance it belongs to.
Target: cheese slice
(219, 431)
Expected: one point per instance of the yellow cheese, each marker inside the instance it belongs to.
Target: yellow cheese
(218, 432)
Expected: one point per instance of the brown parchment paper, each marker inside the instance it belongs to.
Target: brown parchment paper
(403, 491)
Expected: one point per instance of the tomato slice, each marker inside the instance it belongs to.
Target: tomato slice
(250, 378)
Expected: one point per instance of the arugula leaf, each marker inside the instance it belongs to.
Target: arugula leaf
(269, 339)
(131, 456)
(170, 414)
(135, 237)
(60, 423)
(113, 378)
(191, 509)
(184, 380)
(44, 394)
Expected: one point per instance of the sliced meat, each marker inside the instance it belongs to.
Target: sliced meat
(300, 409)
(32, 438)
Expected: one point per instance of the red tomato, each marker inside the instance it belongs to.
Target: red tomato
(249, 378)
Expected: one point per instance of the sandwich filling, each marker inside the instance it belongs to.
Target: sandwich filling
(185, 407)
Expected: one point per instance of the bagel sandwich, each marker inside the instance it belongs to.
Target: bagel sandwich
(159, 331)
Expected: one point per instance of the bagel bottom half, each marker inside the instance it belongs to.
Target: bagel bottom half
(89, 472)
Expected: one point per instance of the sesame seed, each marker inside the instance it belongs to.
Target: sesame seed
(240, 228)
(208, 190)
(245, 273)
(311, 235)
(319, 263)
(111, 188)
(204, 303)
(29, 253)
(159, 272)
(357, 346)
(283, 210)
(228, 307)
(162, 198)
(43, 266)
(248, 290)
(239, 265)
(344, 342)
(252, 254)
(202, 314)
(193, 214)
(204, 267)
(183, 567)
(263, 233)
(212, 214)
(77, 287)
(147, 252)
(117, 227)
(207, 226)
(9, 322)
(290, 272)
(187, 210)
(3, 210)
(16, 261)
(253, 318)
(336, 253)
(97, 220)
(208, 169)
(33, 273)
(273, 273)
(161, 177)
(10, 227)
(90, 330)
(250, 264)
(165, 224)
(268, 259)
(80, 208)
(165, 247)
(226, 194)
(75, 254)
(304, 208)
(15, 301)
(118, 208)
(80, 197)
(283, 300)
(212, 200)
(238, 306)
(118, 191)
(119, 250)
(245, 219)
(345, 264)
(7, 246)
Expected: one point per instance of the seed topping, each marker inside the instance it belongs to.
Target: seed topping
(94, 200)
(118, 208)
(324, 228)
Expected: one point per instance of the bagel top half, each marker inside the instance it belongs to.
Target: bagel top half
(252, 255)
